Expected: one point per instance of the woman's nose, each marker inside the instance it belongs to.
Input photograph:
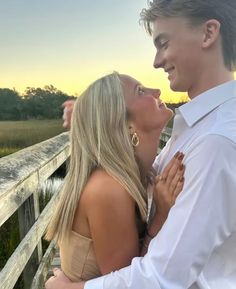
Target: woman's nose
(156, 93)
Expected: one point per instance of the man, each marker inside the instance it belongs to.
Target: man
(196, 248)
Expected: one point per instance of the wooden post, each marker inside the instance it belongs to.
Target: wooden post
(26, 217)
(37, 213)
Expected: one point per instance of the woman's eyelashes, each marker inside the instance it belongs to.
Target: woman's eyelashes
(141, 90)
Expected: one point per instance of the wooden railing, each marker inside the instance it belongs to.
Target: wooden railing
(21, 175)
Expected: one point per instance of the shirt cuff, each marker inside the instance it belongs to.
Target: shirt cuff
(96, 283)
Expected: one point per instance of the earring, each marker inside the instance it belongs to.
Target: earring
(135, 139)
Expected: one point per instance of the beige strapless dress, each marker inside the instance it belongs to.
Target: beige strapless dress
(78, 259)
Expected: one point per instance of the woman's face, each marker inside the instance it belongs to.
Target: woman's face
(146, 110)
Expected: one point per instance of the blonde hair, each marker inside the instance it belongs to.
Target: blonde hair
(99, 139)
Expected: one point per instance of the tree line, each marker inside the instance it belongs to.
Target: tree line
(35, 103)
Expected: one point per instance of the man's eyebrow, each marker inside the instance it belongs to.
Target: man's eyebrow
(158, 39)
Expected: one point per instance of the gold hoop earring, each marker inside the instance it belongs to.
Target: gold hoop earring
(135, 139)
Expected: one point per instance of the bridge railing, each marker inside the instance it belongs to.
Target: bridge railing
(21, 175)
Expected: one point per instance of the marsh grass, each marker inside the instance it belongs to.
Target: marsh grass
(15, 135)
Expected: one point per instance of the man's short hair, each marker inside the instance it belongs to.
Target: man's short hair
(197, 12)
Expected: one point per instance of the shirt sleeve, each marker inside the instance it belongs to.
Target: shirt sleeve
(96, 283)
(202, 218)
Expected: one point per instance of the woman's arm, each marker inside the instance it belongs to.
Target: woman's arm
(68, 107)
(166, 190)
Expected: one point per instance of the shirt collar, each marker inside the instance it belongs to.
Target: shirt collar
(204, 103)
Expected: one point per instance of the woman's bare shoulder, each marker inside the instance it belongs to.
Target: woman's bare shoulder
(102, 187)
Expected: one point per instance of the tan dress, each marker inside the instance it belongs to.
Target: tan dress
(78, 259)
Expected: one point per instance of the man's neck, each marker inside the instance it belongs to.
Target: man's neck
(210, 80)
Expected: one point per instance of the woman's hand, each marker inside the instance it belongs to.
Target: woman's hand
(166, 190)
(67, 112)
(60, 281)
(168, 185)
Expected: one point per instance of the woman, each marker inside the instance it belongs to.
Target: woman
(103, 212)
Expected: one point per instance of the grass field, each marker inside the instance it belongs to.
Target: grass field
(15, 135)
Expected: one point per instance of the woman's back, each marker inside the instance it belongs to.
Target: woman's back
(105, 221)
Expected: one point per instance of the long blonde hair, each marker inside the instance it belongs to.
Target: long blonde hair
(99, 139)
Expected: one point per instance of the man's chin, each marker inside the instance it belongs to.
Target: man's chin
(177, 87)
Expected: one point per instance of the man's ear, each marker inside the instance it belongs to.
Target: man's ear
(211, 32)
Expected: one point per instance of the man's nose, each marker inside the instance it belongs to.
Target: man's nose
(158, 60)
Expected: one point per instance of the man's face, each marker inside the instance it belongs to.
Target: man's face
(179, 49)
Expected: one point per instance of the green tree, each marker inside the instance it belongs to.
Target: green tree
(44, 103)
(10, 103)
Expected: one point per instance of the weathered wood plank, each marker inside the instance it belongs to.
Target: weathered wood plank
(17, 262)
(42, 272)
(37, 213)
(26, 217)
(22, 172)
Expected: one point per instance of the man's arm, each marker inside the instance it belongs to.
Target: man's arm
(201, 219)
(59, 280)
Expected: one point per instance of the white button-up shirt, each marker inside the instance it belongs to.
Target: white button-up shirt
(196, 247)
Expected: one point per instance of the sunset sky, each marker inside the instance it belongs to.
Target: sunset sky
(71, 43)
